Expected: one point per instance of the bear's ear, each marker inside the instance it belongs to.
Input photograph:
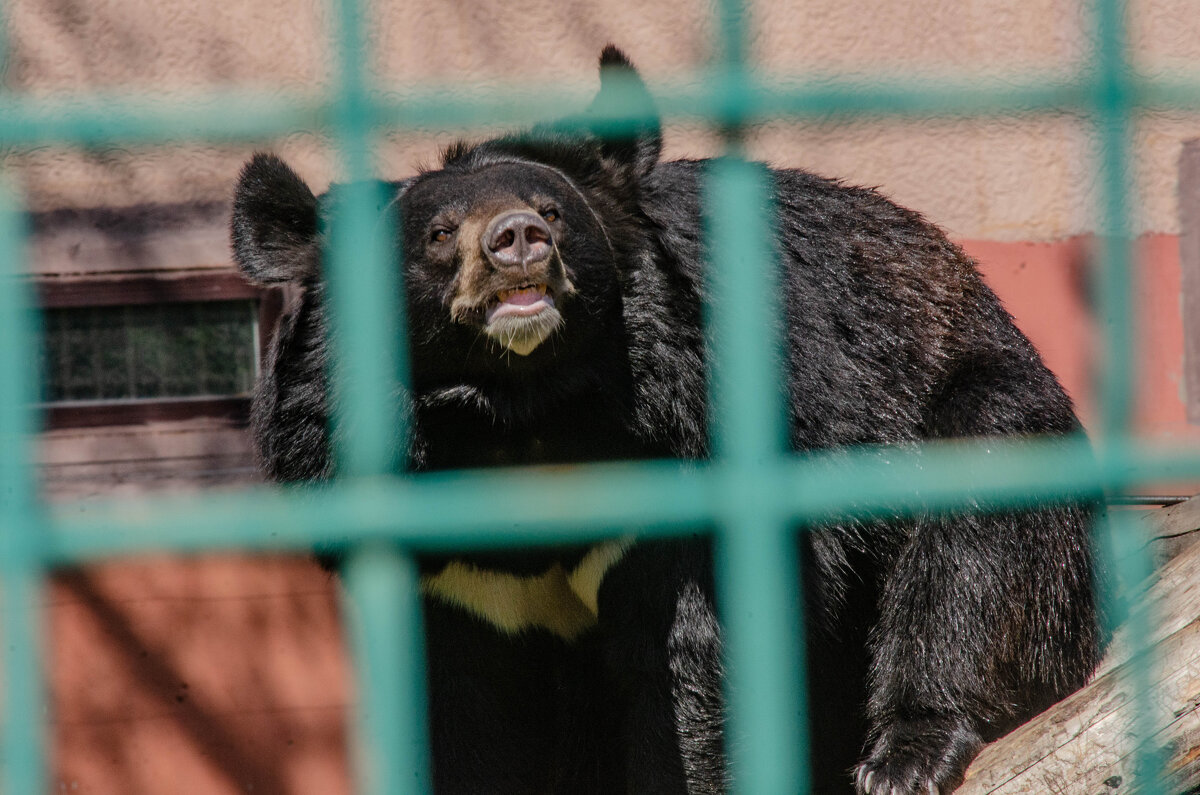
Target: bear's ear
(274, 228)
(622, 91)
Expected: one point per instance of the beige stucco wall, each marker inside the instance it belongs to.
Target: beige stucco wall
(1026, 179)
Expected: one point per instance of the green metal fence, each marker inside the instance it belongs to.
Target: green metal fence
(751, 492)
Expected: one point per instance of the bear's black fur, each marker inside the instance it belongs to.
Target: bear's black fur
(554, 290)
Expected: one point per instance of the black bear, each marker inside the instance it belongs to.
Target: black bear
(554, 287)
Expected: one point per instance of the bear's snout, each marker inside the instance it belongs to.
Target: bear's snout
(517, 239)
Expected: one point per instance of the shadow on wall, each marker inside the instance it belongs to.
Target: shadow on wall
(198, 676)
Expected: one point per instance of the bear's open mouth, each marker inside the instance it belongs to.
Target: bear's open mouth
(521, 318)
(525, 300)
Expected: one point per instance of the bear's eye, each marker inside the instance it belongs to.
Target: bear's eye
(439, 235)
(550, 214)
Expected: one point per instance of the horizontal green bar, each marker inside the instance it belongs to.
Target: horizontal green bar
(96, 119)
(248, 116)
(103, 118)
(564, 504)
(517, 507)
(1164, 93)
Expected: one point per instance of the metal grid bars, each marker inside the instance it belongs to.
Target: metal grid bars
(751, 492)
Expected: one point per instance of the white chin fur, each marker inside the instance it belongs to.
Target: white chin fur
(522, 335)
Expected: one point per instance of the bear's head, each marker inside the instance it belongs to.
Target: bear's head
(513, 250)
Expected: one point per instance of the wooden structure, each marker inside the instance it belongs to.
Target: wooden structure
(1084, 745)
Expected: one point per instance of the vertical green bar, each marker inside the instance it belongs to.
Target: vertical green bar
(1115, 286)
(364, 290)
(22, 751)
(1130, 556)
(731, 58)
(23, 740)
(1136, 575)
(731, 24)
(384, 617)
(363, 282)
(757, 563)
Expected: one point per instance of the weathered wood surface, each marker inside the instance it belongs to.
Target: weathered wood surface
(1173, 529)
(1084, 745)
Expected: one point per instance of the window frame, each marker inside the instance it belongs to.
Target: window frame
(155, 287)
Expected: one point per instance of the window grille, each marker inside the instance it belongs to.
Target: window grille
(108, 353)
(751, 492)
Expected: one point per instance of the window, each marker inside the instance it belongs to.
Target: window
(143, 352)
(144, 318)
(150, 349)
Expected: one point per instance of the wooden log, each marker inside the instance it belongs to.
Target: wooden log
(1085, 744)
(1174, 528)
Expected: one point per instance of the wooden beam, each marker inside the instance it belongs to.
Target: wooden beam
(1084, 744)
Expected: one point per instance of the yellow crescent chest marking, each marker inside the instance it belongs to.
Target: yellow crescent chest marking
(562, 602)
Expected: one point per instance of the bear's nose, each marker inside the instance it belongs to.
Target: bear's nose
(517, 239)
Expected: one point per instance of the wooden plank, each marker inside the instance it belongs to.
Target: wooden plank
(1084, 744)
(223, 284)
(1174, 528)
(135, 459)
(130, 240)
